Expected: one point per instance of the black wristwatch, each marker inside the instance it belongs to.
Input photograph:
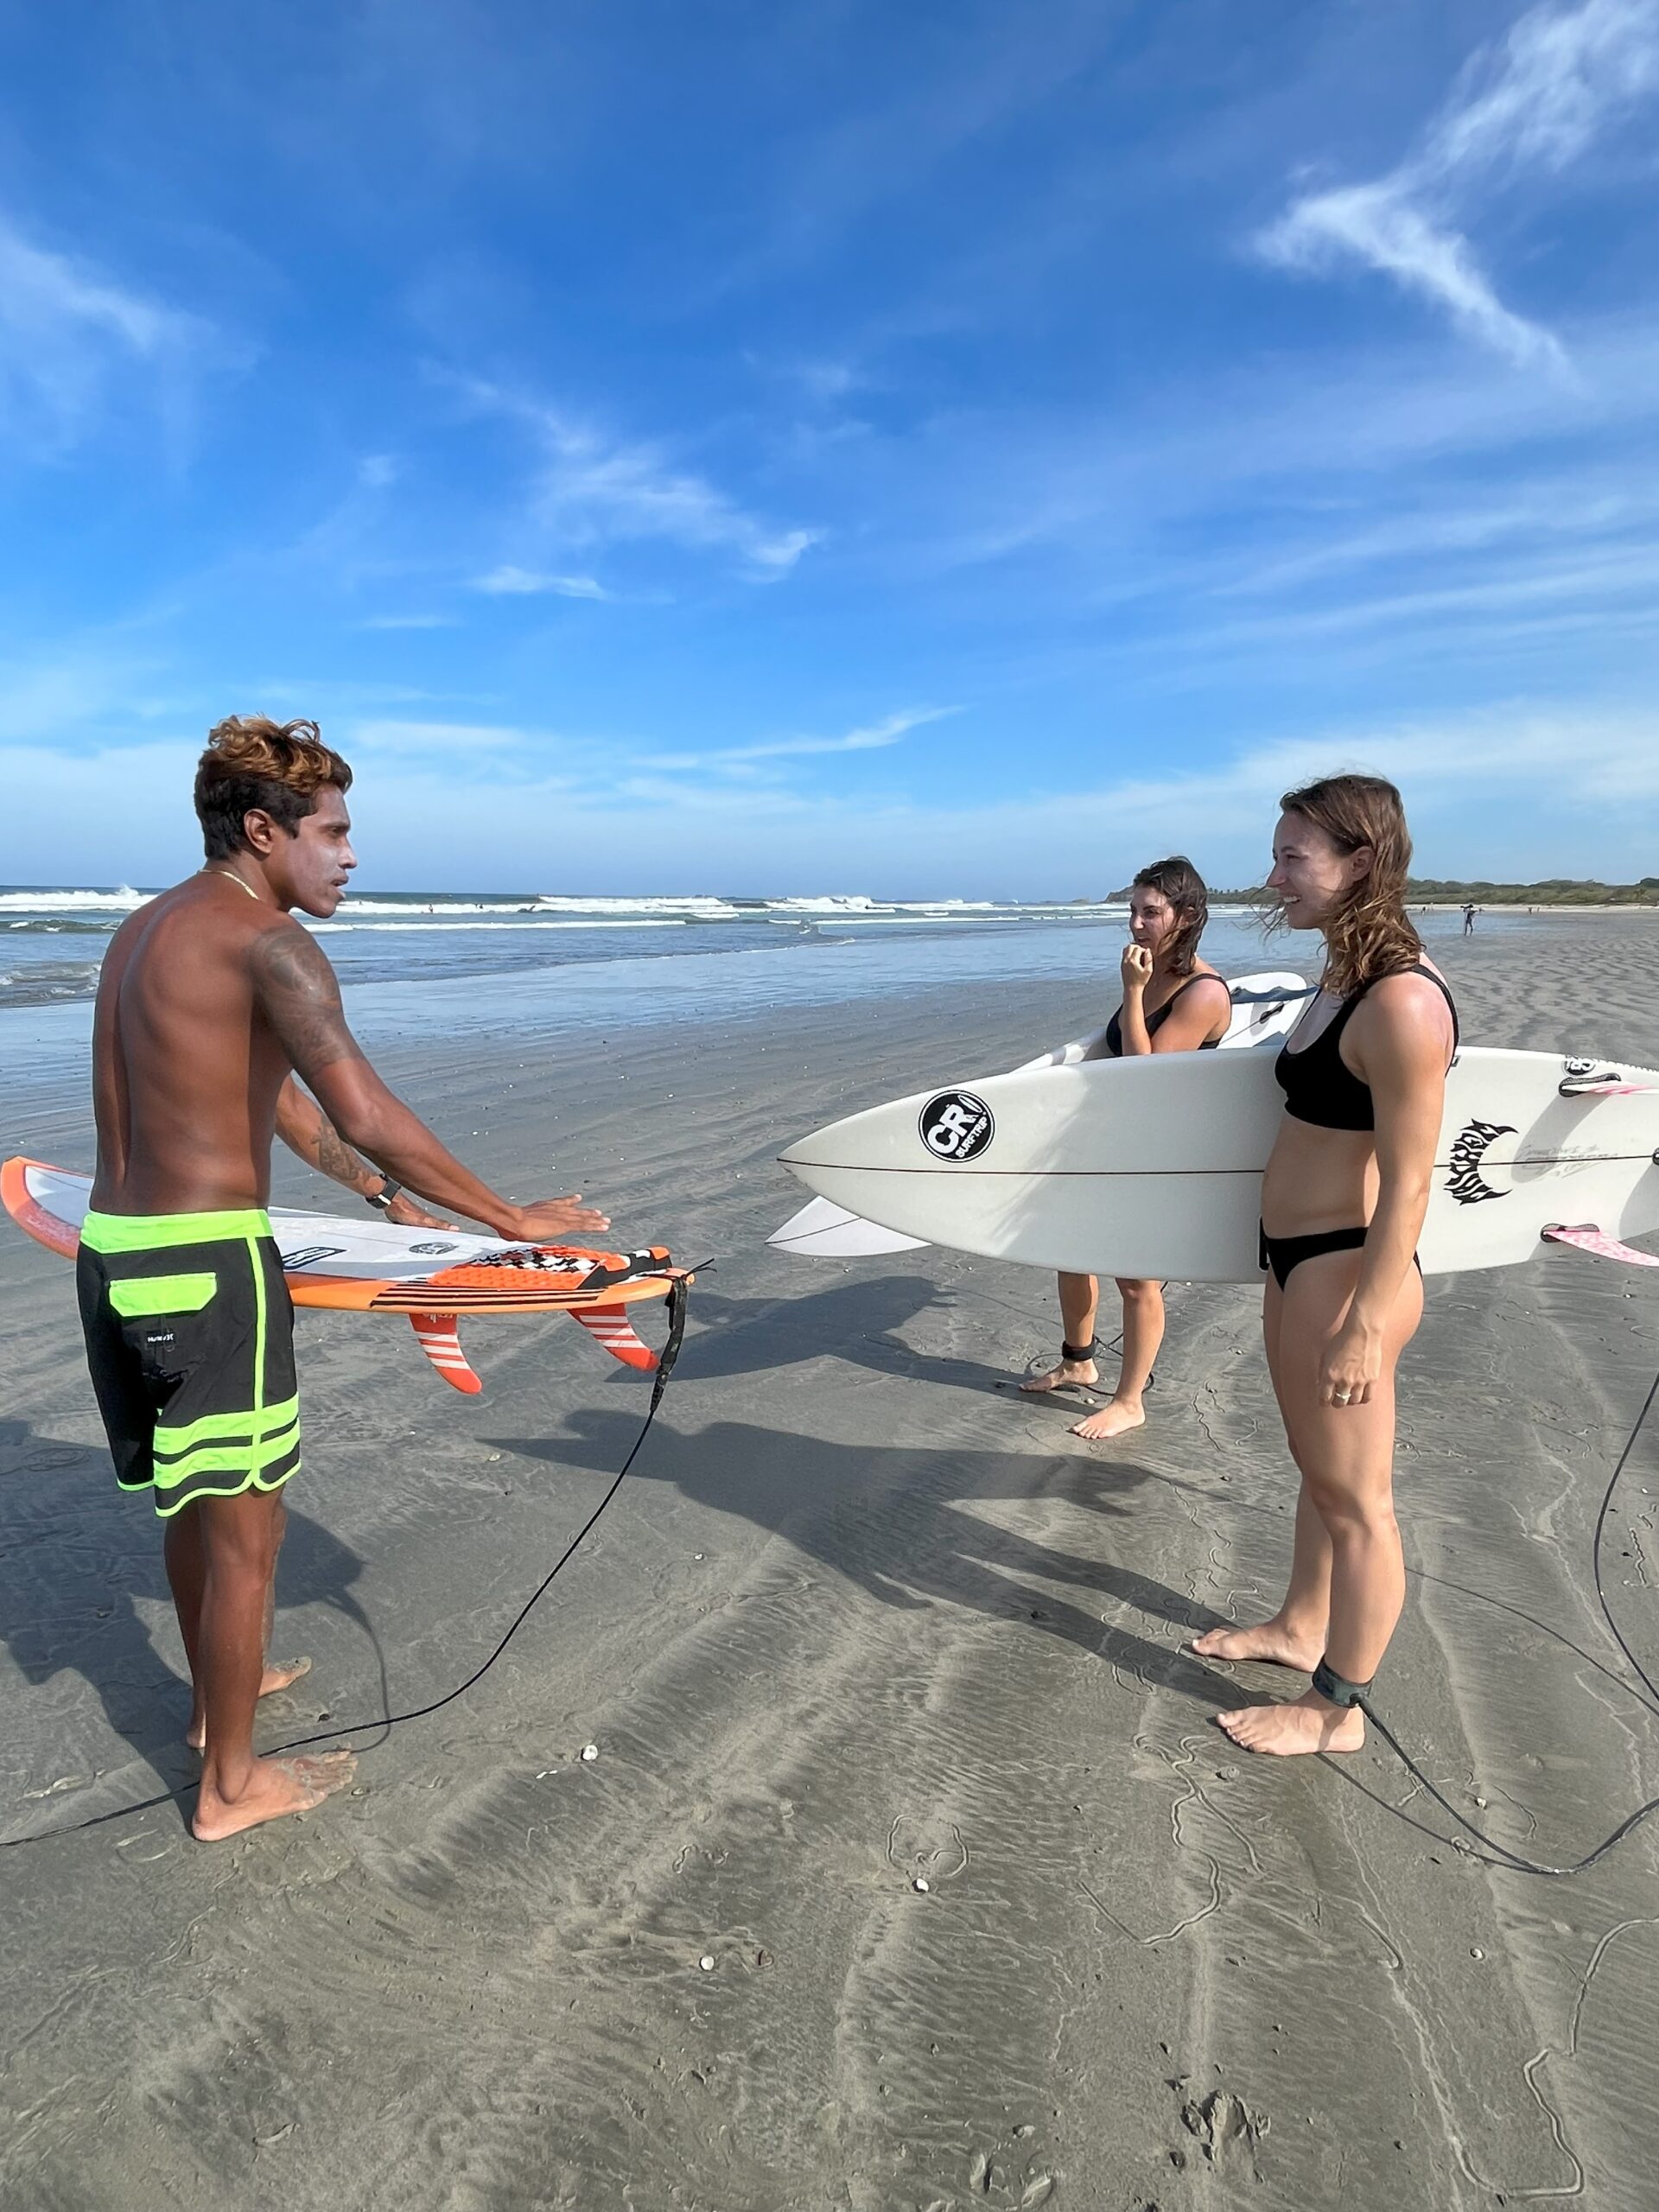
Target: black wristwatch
(382, 1199)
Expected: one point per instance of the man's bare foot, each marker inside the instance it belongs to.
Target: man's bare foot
(280, 1676)
(273, 1787)
(1064, 1375)
(1308, 1723)
(1269, 1640)
(1113, 1418)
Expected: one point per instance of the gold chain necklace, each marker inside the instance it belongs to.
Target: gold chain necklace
(231, 876)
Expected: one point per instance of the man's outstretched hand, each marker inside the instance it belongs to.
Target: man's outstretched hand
(553, 1221)
(405, 1212)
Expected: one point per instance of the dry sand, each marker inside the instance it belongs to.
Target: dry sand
(860, 1615)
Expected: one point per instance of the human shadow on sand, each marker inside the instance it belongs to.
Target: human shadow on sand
(78, 1558)
(859, 1322)
(899, 1522)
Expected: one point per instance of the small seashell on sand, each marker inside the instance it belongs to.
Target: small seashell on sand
(921, 1883)
(590, 1752)
(707, 1962)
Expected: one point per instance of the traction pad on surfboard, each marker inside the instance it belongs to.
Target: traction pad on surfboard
(558, 1272)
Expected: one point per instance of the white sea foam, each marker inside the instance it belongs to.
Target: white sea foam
(71, 902)
(428, 923)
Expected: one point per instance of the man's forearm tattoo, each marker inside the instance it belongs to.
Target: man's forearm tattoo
(336, 1158)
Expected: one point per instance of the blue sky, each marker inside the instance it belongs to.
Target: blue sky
(813, 444)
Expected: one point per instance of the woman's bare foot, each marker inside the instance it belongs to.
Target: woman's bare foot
(1113, 1418)
(1269, 1640)
(1064, 1375)
(273, 1787)
(280, 1676)
(1308, 1723)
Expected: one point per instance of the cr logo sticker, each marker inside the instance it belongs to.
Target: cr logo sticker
(956, 1126)
(1466, 1182)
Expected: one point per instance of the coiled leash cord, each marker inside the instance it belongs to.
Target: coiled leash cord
(387, 1722)
(1512, 1861)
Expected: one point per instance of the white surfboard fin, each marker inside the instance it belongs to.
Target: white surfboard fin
(823, 1231)
(439, 1337)
(1608, 1084)
(1588, 1238)
(610, 1327)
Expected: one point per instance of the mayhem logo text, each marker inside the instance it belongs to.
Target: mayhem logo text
(1466, 1183)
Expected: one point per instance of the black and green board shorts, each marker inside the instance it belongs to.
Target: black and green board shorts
(190, 1340)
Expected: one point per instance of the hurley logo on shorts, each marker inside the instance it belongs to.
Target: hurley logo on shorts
(956, 1126)
(1466, 1182)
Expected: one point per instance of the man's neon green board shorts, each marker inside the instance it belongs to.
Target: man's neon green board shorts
(190, 1340)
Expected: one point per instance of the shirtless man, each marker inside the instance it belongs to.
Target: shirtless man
(211, 997)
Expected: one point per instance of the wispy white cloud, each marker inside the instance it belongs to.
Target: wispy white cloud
(510, 580)
(613, 767)
(68, 332)
(594, 488)
(1536, 101)
(1512, 790)
(872, 738)
(407, 622)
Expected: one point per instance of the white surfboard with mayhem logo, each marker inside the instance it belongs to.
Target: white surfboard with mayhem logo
(1151, 1168)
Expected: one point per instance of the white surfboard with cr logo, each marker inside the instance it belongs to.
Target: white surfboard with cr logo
(1151, 1168)
(1264, 1007)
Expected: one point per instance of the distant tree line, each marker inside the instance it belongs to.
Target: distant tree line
(1554, 891)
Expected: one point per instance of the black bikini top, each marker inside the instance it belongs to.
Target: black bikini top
(1155, 1021)
(1319, 1086)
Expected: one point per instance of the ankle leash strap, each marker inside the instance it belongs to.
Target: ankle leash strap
(1334, 1687)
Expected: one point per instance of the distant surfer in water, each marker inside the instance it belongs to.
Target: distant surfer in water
(1342, 1202)
(1172, 1002)
(209, 996)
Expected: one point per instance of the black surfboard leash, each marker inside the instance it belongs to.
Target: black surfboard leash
(1505, 1859)
(386, 1722)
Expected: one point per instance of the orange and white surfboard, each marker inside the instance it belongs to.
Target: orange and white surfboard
(432, 1275)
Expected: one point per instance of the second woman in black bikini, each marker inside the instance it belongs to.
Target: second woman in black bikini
(1172, 1002)
(1342, 1202)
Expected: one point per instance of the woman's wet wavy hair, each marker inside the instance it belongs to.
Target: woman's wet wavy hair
(1184, 888)
(253, 762)
(1370, 935)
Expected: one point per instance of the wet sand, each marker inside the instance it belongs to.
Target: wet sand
(861, 1615)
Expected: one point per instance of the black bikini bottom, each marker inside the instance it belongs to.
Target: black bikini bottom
(1282, 1254)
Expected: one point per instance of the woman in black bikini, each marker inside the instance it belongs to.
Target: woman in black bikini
(1342, 1202)
(1172, 1002)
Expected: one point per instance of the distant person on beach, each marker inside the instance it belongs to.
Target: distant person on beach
(1172, 1002)
(209, 995)
(1469, 913)
(1342, 1202)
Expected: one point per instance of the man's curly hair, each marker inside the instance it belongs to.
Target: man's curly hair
(251, 761)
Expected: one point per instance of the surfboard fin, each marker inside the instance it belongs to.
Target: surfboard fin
(439, 1337)
(610, 1327)
(1608, 1084)
(1588, 1238)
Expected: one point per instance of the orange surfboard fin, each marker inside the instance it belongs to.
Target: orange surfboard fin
(610, 1327)
(439, 1336)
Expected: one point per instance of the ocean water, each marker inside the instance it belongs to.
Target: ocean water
(52, 941)
(415, 964)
